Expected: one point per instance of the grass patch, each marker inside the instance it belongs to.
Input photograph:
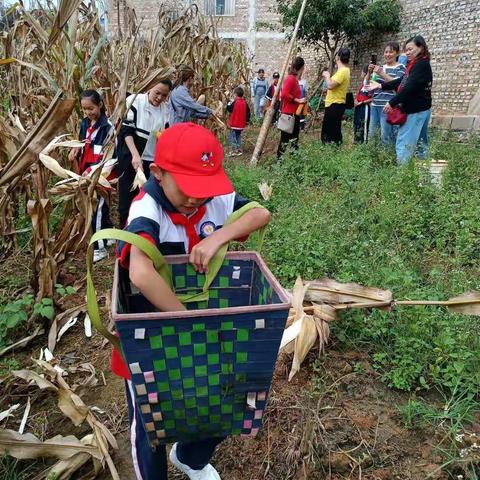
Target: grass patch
(352, 215)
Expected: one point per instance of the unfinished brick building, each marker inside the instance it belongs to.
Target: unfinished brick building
(451, 28)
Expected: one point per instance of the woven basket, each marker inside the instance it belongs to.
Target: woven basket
(205, 372)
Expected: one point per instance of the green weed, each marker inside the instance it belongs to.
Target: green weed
(7, 365)
(351, 214)
(12, 469)
(16, 313)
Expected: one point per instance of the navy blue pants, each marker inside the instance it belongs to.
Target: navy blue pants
(151, 463)
(101, 220)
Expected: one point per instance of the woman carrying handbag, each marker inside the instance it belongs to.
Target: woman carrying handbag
(289, 121)
(411, 106)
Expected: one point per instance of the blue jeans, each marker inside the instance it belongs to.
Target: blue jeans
(413, 134)
(378, 119)
(235, 139)
(258, 104)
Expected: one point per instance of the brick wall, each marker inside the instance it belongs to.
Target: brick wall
(451, 28)
(452, 32)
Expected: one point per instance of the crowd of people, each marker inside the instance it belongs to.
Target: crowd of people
(396, 99)
(393, 102)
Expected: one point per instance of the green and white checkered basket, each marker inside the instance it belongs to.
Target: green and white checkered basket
(204, 372)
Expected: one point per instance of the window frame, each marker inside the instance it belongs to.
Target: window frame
(207, 2)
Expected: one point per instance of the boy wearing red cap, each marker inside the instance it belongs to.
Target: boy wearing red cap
(180, 209)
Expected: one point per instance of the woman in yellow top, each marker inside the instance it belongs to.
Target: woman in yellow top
(337, 86)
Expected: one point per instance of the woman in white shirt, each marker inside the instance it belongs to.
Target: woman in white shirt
(147, 115)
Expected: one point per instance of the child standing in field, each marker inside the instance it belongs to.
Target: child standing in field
(239, 118)
(95, 129)
(181, 209)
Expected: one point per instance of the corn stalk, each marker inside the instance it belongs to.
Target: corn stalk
(47, 58)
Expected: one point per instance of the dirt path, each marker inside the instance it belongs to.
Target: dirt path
(334, 420)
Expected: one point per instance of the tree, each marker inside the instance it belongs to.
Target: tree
(330, 24)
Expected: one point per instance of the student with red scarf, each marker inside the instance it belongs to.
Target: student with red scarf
(414, 97)
(291, 97)
(95, 129)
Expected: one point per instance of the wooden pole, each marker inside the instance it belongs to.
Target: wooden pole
(267, 119)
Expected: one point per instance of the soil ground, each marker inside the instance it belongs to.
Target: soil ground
(335, 419)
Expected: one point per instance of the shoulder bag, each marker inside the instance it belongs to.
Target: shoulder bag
(286, 123)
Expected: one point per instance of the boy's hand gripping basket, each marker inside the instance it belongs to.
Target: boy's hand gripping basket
(204, 372)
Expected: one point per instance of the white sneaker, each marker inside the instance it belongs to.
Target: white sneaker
(206, 473)
(99, 254)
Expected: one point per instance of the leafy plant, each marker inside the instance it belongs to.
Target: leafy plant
(16, 313)
(8, 364)
(12, 315)
(45, 308)
(64, 291)
(327, 25)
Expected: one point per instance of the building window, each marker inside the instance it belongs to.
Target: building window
(220, 8)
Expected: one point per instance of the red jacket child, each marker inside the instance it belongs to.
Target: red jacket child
(239, 113)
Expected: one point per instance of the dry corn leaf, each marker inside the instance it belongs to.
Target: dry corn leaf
(298, 294)
(323, 331)
(139, 180)
(330, 291)
(466, 304)
(9, 412)
(64, 469)
(265, 190)
(59, 321)
(31, 376)
(72, 406)
(27, 446)
(325, 312)
(289, 335)
(52, 120)
(65, 10)
(303, 343)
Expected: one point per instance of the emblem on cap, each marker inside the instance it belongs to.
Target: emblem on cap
(207, 159)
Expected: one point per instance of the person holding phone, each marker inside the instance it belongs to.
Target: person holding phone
(414, 98)
(391, 70)
(335, 101)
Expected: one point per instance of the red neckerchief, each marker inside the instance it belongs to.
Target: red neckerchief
(88, 157)
(189, 223)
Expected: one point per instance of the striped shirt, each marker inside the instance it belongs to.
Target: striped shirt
(142, 122)
(382, 97)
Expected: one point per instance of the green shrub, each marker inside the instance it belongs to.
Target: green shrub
(351, 214)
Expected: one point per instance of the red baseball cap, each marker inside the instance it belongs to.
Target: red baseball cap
(193, 156)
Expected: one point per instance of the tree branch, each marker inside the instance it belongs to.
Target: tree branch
(326, 37)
